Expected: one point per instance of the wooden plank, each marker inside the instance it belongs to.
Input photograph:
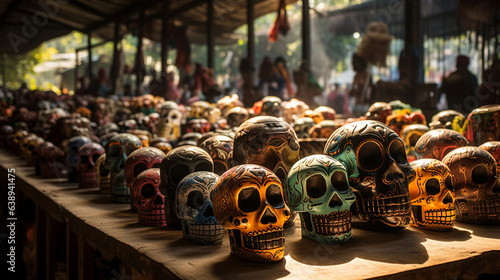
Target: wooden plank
(71, 253)
(162, 253)
(41, 245)
(85, 259)
(210, 34)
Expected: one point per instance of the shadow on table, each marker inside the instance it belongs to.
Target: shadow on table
(237, 268)
(402, 246)
(188, 250)
(455, 234)
(488, 231)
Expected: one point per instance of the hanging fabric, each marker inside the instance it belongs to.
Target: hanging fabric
(281, 24)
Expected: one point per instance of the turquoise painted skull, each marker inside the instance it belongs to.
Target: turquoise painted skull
(317, 188)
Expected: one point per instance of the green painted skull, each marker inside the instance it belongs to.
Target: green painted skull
(317, 188)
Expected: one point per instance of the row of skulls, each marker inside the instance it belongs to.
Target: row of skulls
(253, 181)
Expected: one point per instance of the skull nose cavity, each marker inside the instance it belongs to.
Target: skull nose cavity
(158, 200)
(496, 187)
(448, 199)
(268, 217)
(394, 174)
(209, 211)
(336, 201)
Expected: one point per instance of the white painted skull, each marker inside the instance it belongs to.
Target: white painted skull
(195, 209)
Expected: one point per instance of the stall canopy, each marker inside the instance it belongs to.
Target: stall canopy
(439, 18)
(24, 24)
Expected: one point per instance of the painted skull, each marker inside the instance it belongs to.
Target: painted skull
(220, 148)
(302, 125)
(198, 125)
(248, 200)
(379, 111)
(493, 147)
(432, 195)
(324, 129)
(236, 116)
(398, 121)
(5, 131)
(195, 209)
(317, 188)
(483, 125)
(410, 136)
(316, 116)
(293, 109)
(74, 145)
(176, 165)
(16, 141)
(102, 174)
(119, 148)
(378, 170)
(88, 155)
(52, 162)
(449, 119)
(438, 143)
(30, 160)
(271, 106)
(269, 142)
(23, 145)
(169, 123)
(328, 113)
(138, 161)
(150, 201)
(36, 155)
(477, 188)
(198, 109)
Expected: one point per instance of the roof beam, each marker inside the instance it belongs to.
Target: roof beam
(88, 9)
(52, 20)
(125, 12)
(12, 6)
(184, 8)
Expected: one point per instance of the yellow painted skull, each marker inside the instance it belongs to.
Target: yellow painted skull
(248, 200)
(432, 196)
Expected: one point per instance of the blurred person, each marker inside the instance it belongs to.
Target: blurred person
(284, 81)
(268, 78)
(460, 87)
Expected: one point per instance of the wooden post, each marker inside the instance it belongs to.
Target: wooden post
(71, 253)
(306, 33)
(210, 34)
(89, 48)
(116, 61)
(414, 38)
(251, 31)
(76, 71)
(139, 77)
(85, 259)
(164, 38)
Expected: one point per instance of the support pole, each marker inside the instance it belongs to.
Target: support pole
(306, 33)
(4, 61)
(139, 77)
(414, 40)
(76, 72)
(89, 49)
(114, 65)
(251, 31)
(164, 38)
(210, 34)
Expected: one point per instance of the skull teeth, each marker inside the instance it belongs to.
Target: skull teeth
(153, 216)
(490, 206)
(332, 224)
(440, 216)
(395, 205)
(206, 229)
(265, 241)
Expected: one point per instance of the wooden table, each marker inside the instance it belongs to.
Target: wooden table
(94, 223)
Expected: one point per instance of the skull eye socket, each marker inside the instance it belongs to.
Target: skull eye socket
(339, 181)
(114, 151)
(95, 157)
(249, 200)
(432, 186)
(178, 173)
(397, 152)
(204, 166)
(316, 186)
(274, 197)
(138, 168)
(156, 165)
(84, 159)
(414, 139)
(147, 191)
(449, 183)
(480, 174)
(195, 200)
(370, 156)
